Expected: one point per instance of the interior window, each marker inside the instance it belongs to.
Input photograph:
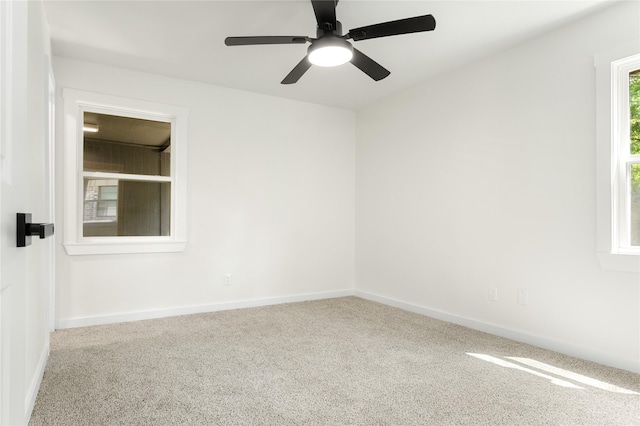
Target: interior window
(138, 153)
(125, 175)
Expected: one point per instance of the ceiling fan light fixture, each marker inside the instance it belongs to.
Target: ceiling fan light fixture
(330, 52)
(331, 48)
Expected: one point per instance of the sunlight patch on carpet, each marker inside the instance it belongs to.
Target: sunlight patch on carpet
(572, 376)
(508, 364)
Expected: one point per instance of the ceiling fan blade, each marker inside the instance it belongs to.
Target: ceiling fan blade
(369, 66)
(297, 72)
(246, 41)
(325, 11)
(401, 26)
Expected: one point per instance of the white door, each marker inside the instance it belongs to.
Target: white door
(25, 273)
(13, 262)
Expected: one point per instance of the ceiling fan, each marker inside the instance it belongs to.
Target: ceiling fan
(331, 48)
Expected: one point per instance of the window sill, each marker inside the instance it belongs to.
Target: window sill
(619, 262)
(78, 249)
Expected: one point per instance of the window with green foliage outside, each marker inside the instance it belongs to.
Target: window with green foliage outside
(634, 118)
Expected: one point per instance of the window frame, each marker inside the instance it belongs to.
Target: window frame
(609, 125)
(76, 102)
(622, 158)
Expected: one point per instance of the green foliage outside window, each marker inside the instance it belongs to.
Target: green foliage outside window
(634, 107)
(634, 104)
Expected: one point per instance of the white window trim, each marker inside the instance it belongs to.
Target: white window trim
(75, 103)
(610, 256)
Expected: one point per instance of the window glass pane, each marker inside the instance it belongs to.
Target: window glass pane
(634, 108)
(118, 208)
(635, 205)
(107, 209)
(108, 192)
(126, 145)
(95, 210)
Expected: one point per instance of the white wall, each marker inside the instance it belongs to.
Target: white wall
(485, 176)
(270, 200)
(23, 120)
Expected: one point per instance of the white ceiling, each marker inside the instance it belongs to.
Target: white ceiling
(185, 39)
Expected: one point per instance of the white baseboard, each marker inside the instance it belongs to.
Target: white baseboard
(34, 386)
(198, 309)
(542, 342)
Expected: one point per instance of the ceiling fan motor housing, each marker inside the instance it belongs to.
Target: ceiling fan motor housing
(327, 28)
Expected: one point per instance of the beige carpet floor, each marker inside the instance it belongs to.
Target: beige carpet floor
(343, 361)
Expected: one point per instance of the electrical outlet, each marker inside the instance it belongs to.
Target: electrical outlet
(493, 294)
(227, 279)
(523, 296)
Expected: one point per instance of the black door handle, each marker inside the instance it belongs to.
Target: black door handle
(25, 229)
